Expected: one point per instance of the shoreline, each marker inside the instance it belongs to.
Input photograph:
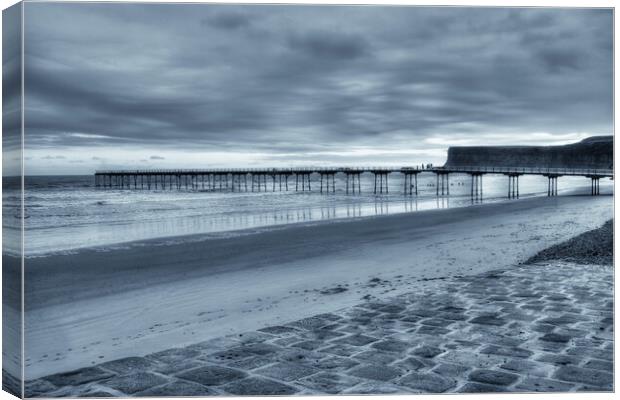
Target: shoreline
(134, 302)
(401, 205)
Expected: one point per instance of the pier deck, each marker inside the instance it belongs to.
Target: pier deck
(265, 179)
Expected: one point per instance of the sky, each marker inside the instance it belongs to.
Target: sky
(199, 86)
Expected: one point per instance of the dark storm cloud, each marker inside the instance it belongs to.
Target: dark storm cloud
(302, 79)
(328, 45)
(227, 20)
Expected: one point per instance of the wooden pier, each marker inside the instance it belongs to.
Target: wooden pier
(277, 179)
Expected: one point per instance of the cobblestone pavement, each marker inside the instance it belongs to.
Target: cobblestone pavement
(546, 327)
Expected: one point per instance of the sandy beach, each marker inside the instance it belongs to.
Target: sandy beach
(94, 306)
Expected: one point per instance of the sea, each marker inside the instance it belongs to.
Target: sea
(68, 213)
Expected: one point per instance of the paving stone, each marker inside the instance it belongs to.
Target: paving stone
(79, 376)
(452, 309)
(329, 317)
(411, 318)
(475, 387)
(533, 384)
(375, 388)
(376, 357)
(428, 382)
(287, 371)
(310, 323)
(437, 322)
(506, 351)
(255, 386)
(178, 388)
(391, 345)
(432, 330)
(259, 348)
(328, 382)
(422, 313)
(584, 375)
(279, 330)
(450, 370)
(251, 363)
(129, 365)
(427, 351)
(555, 337)
(323, 334)
(593, 353)
(229, 355)
(376, 372)
(542, 328)
(469, 358)
(309, 344)
(211, 375)
(453, 316)
(286, 341)
(588, 342)
(498, 339)
(527, 367)
(572, 333)
(488, 320)
(411, 364)
(356, 340)
(465, 344)
(177, 366)
(174, 360)
(600, 364)
(565, 319)
(392, 308)
(135, 382)
(493, 377)
(559, 359)
(299, 356)
(336, 363)
(214, 345)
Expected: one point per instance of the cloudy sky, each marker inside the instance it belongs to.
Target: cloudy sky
(158, 86)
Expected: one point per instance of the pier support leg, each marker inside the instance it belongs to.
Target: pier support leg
(375, 184)
(594, 186)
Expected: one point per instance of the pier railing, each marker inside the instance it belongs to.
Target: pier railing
(259, 170)
(445, 169)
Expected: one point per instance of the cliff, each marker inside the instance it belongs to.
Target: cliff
(595, 152)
